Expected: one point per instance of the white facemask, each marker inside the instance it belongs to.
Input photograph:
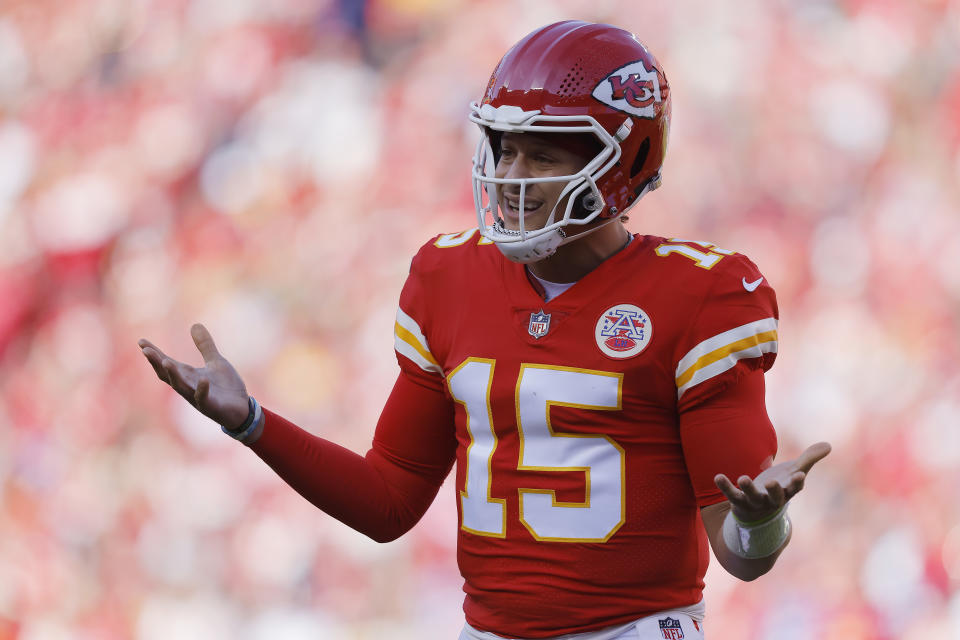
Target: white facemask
(530, 245)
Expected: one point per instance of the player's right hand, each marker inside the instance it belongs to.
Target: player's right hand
(215, 389)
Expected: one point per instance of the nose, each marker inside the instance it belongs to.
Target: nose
(516, 169)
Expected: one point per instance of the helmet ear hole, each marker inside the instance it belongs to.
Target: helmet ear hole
(641, 158)
(494, 137)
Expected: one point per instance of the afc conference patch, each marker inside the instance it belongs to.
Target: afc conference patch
(623, 331)
(670, 629)
(539, 324)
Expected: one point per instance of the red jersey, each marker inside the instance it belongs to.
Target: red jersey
(578, 488)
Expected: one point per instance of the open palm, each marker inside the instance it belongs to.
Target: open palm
(757, 498)
(215, 389)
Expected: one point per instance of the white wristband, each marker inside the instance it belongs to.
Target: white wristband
(758, 540)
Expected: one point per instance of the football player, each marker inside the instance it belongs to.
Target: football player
(601, 392)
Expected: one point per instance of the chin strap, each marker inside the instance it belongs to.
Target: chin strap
(539, 247)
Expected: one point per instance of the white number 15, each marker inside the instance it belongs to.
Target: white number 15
(539, 388)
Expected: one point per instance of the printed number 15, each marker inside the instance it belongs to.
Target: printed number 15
(541, 449)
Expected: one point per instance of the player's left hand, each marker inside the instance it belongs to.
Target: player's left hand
(757, 498)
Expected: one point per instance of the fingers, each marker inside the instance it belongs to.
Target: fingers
(795, 484)
(732, 493)
(749, 489)
(776, 493)
(143, 342)
(147, 347)
(773, 487)
(814, 454)
(155, 357)
(769, 495)
(204, 341)
(751, 498)
(172, 372)
(176, 375)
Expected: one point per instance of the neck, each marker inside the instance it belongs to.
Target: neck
(577, 258)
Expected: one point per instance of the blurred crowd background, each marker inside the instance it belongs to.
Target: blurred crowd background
(269, 168)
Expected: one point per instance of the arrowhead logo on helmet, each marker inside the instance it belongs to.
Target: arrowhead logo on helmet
(633, 89)
(579, 78)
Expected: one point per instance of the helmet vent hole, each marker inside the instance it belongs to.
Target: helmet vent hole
(572, 83)
(641, 158)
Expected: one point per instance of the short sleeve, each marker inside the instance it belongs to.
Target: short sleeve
(733, 332)
(411, 328)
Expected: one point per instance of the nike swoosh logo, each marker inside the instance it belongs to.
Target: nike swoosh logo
(752, 286)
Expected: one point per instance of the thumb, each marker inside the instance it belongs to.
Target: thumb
(204, 341)
(814, 454)
(203, 390)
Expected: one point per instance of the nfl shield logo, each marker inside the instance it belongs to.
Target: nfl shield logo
(670, 629)
(539, 324)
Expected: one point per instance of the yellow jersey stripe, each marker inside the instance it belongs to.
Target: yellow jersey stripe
(411, 325)
(723, 339)
(740, 346)
(406, 336)
(715, 355)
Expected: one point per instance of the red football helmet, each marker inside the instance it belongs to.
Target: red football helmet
(573, 77)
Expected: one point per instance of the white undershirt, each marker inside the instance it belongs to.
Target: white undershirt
(552, 289)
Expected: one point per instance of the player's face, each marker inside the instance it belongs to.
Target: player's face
(528, 155)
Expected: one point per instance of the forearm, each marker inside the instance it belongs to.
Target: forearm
(353, 489)
(386, 492)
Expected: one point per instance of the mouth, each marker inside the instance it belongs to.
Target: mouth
(511, 206)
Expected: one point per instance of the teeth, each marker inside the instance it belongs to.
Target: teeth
(526, 207)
